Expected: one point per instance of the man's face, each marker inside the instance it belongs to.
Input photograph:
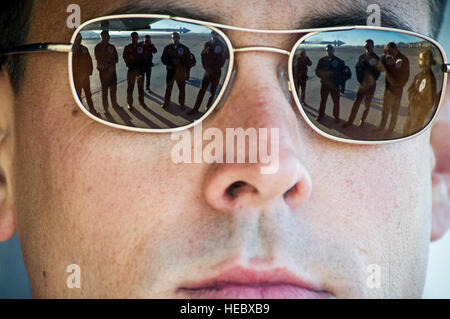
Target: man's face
(392, 51)
(330, 51)
(134, 38)
(105, 37)
(424, 60)
(175, 39)
(369, 46)
(139, 225)
(78, 40)
(147, 40)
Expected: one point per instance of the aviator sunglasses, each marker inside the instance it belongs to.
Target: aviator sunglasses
(158, 73)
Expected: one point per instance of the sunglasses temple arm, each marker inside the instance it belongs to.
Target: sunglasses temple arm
(38, 47)
(447, 67)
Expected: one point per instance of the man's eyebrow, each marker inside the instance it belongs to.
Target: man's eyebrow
(175, 9)
(344, 15)
(351, 15)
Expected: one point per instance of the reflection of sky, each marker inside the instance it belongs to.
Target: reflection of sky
(443, 38)
(358, 37)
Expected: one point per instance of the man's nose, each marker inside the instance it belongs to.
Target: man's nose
(257, 101)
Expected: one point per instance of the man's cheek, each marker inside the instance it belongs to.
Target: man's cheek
(48, 113)
(401, 222)
(111, 197)
(112, 169)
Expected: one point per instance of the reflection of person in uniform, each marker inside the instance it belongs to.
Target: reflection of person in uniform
(367, 73)
(330, 70)
(177, 58)
(134, 57)
(149, 49)
(106, 56)
(213, 59)
(82, 70)
(421, 94)
(396, 66)
(301, 73)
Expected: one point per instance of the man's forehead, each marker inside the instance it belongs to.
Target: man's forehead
(286, 13)
(260, 14)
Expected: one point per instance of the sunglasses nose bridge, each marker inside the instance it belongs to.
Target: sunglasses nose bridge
(261, 49)
(283, 74)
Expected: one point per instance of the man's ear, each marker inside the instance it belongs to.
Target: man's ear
(440, 142)
(7, 220)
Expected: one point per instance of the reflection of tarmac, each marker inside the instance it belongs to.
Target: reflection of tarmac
(347, 99)
(152, 115)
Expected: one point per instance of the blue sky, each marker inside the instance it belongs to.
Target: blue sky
(358, 37)
(444, 36)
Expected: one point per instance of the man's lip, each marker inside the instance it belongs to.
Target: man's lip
(239, 282)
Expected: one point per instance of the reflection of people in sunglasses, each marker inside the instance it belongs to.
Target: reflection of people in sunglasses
(301, 73)
(149, 49)
(178, 60)
(213, 59)
(106, 56)
(335, 220)
(421, 94)
(134, 56)
(330, 70)
(396, 67)
(367, 73)
(82, 70)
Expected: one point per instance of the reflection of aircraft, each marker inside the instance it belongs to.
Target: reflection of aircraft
(179, 30)
(95, 34)
(123, 28)
(90, 34)
(336, 43)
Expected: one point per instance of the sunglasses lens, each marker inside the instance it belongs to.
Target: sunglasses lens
(368, 85)
(149, 73)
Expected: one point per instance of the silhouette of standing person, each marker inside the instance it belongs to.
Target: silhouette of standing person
(134, 57)
(82, 70)
(330, 70)
(396, 66)
(213, 59)
(301, 73)
(177, 59)
(149, 50)
(367, 73)
(106, 56)
(421, 94)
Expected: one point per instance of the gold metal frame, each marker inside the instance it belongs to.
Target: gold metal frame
(57, 47)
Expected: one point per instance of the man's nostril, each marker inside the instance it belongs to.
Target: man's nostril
(290, 191)
(237, 188)
(233, 190)
(2, 177)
